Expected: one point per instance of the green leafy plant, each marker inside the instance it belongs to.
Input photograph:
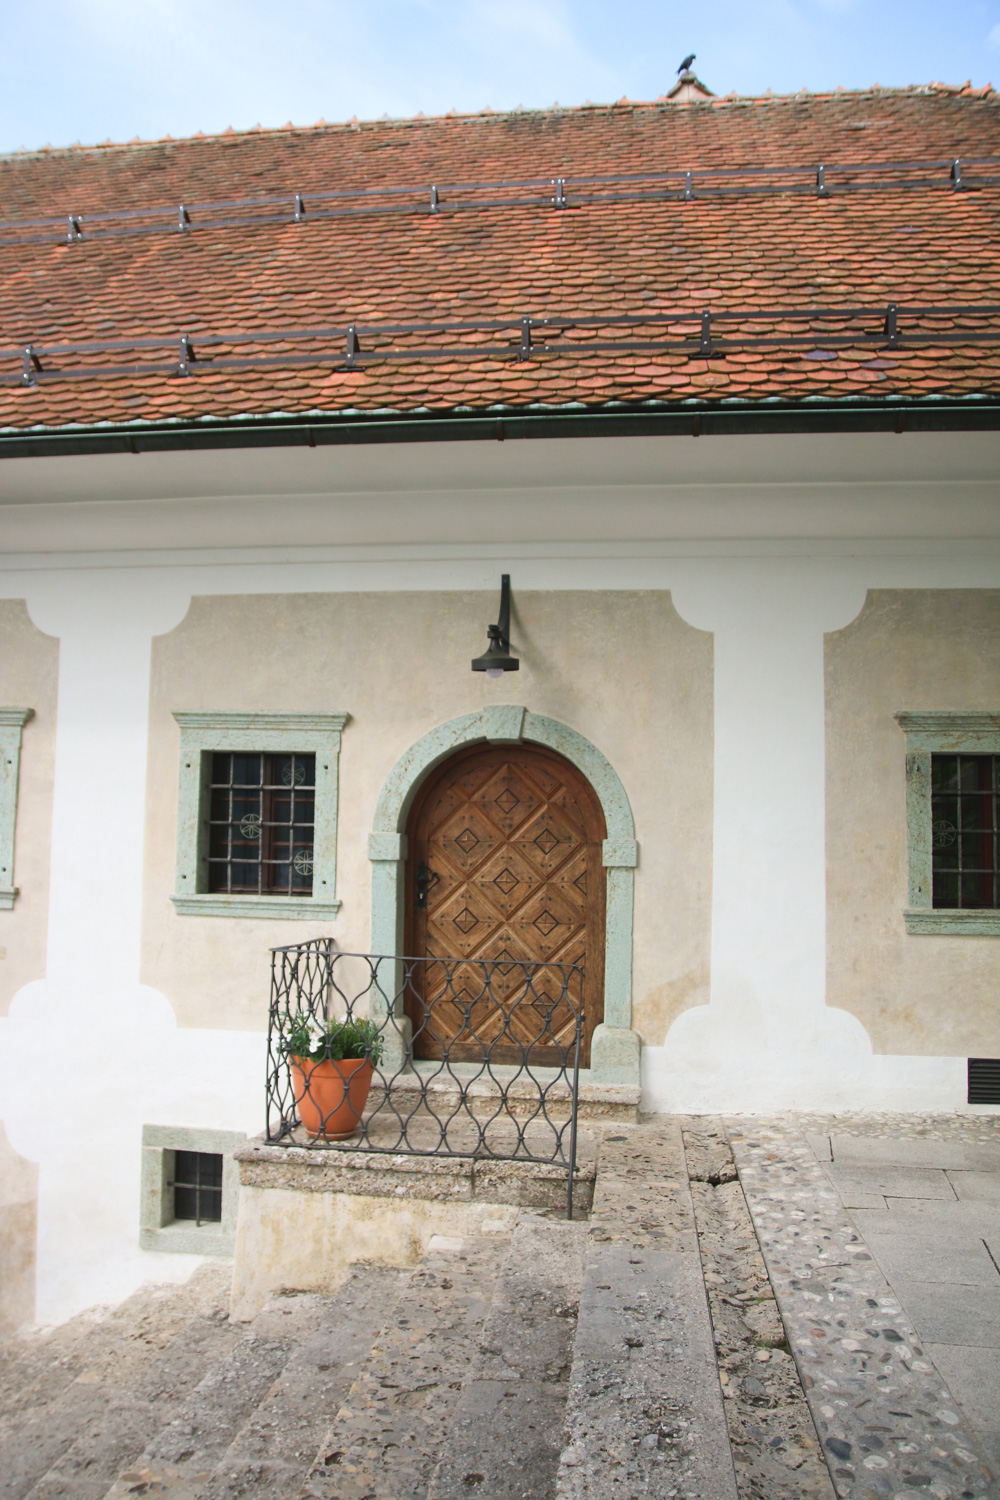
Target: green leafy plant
(309, 1036)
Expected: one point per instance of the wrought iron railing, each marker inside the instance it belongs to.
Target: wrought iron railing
(424, 1056)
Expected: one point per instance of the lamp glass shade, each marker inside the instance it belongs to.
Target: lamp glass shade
(496, 660)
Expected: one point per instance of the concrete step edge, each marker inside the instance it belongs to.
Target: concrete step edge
(180, 1459)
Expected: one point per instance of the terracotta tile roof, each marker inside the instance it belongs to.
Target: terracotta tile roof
(764, 251)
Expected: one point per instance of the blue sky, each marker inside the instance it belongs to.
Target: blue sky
(87, 70)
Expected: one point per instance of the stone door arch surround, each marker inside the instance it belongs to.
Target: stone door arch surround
(615, 1046)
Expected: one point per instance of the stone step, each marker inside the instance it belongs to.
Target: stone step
(277, 1445)
(81, 1400)
(182, 1458)
(481, 1093)
(645, 1413)
(506, 1434)
(387, 1438)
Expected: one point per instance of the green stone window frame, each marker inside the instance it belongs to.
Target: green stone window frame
(158, 1229)
(202, 735)
(12, 721)
(928, 733)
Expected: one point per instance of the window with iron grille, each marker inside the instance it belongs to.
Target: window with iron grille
(197, 1186)
(952, 792)
(257, 814)
(189, 1189)
(261, 823)
(964, 830)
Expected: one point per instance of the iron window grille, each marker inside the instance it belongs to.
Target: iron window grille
(197, 1186)
(261, 823)
(964, 831)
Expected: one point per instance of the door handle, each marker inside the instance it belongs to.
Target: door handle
(426, 880)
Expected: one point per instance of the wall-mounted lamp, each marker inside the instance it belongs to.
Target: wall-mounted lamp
(498, 659)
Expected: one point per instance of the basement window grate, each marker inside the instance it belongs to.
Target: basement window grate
(197, 1186)
(984, 1080)
(964, 826)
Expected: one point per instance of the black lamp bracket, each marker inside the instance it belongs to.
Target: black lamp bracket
(498, 658)
(502, 626)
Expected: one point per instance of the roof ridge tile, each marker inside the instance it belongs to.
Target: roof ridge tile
(767, 98)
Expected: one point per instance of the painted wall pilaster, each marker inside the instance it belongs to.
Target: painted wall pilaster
(767, 1029)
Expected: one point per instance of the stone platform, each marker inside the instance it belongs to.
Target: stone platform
(308, 1214)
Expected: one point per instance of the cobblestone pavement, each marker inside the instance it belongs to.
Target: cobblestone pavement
(876, 1234)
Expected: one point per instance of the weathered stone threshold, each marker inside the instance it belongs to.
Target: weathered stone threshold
(455, 1179)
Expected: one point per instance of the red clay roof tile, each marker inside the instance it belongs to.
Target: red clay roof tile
(768, 252)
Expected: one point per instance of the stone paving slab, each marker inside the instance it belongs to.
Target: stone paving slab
(919, 1260)
(891, 1182)
(981, 1187)
(645, 1411)
(888, 1150)
(950, 1313)
(506, 1434)
(973, 1373)
(933, 1221)
(885, 1416)
(645, 1415)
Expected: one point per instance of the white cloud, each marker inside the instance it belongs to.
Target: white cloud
(994, 37)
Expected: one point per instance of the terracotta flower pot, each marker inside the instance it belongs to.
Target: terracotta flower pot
(330, 1096)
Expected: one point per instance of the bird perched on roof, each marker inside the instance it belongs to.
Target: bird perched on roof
(685, 65)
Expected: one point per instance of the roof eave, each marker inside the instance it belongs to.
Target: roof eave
(684, 419)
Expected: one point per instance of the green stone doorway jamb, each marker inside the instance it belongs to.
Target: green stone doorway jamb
(614, 1048)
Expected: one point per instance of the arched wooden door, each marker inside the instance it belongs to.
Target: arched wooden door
(509, 839)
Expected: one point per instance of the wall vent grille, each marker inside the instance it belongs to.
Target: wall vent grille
(984, 1080)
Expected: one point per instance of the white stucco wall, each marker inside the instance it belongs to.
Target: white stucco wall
(767, 544)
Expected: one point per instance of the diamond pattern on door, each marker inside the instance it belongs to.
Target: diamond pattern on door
(514, 834)
(570, 880)
(460, 925)
(552, 921)
(467, 838)
(506, 880)
(547, 839)
(507, 799)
